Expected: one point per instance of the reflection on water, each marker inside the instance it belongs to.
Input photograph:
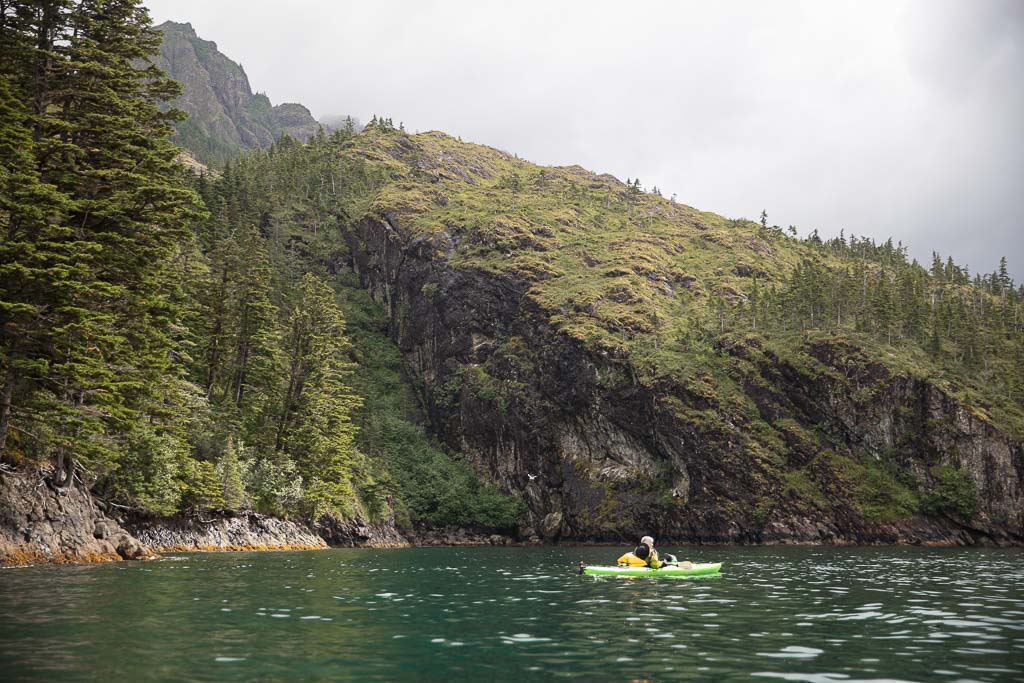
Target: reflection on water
(796, 614)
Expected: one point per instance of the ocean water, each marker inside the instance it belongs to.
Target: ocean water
(483, 614)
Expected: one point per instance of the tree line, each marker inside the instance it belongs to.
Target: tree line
(973, 325)
(149, 346)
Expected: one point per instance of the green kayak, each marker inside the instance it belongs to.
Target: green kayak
(670, 570)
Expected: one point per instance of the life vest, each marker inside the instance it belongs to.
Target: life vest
(634, 559)
(631, 560)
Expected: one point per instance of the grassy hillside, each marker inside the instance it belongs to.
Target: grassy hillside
(823, 379)
(642, 277)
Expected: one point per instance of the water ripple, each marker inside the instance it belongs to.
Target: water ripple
(797, 614)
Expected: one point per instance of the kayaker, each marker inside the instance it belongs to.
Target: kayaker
(644, 555)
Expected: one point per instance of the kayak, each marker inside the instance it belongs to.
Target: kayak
(670, 570)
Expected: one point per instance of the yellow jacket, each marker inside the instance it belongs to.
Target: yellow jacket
(632, 560)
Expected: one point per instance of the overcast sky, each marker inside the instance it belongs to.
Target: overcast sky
(884, 118)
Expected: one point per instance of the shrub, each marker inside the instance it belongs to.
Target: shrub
(953, 493)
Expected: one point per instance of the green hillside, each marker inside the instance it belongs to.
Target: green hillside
(812, 366)
(641, 277)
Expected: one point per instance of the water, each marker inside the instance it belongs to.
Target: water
(433, 614)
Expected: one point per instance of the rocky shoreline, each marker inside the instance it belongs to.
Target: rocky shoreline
(247, 531)
(39, 525)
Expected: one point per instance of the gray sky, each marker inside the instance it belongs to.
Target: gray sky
(901, 118)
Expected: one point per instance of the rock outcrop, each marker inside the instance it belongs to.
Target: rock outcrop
(225, 116)
(357, 533)
(458, 536)
(40, 525)
(210, 531)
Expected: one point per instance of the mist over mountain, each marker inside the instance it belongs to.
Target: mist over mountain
(339, 121)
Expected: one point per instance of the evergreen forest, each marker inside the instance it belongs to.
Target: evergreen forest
(182, 342)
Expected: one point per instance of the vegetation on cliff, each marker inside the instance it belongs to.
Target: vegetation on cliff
(720, 320)
(305, 406)
(658, 282)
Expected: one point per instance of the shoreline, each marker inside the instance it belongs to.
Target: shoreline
(24, 559)
(70, 526)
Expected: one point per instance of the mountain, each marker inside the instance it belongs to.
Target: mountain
(225, 117)
(629, 364)
(377, 333)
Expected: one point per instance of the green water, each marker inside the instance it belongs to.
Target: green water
(481, 614)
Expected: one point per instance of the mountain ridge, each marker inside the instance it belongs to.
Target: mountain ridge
(225, 116)
(592, 362)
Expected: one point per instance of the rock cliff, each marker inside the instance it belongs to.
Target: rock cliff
(250, 531)
(814, 441)
(225, 117)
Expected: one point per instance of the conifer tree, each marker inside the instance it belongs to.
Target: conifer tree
(934, 342)
(39, 272)
(100, 140)
(255, 337)
(1003, 281)
(315, 427)
(229, 475)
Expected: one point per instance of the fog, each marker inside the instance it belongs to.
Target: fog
(899, 119)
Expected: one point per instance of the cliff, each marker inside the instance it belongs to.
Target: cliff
(558, 323)
(225, 116)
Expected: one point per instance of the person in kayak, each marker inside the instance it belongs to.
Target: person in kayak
(644, 555)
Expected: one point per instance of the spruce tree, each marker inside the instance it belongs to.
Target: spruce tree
(99, 141)
(315, 426)
(229, 475)
(256, 343)
(40, 272)
(1003, 280)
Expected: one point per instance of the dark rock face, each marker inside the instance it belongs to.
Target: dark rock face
(250, 531)
(225, 117)
(355, 533)
(599, 455)
(916, 425)
(39, 525)
(457, 536)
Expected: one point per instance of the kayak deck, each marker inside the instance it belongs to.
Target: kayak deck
(672, 570)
